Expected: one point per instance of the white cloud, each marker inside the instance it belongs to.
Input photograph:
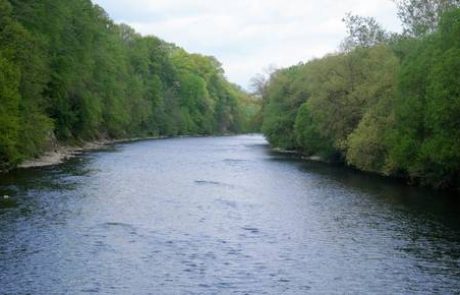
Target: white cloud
(248, 35)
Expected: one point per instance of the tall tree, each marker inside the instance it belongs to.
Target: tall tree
(422, 16)
(362, 32)
(67, 71)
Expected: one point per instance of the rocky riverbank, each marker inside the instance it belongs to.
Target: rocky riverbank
(63, 153)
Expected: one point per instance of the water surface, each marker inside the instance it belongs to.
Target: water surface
(221, 216)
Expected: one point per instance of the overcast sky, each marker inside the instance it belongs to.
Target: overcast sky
(248, 36)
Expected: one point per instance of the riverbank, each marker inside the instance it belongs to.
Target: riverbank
(404, 179)
(62, 153)
(314, 158)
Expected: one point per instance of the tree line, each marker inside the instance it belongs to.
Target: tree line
(68, 72)
(385, 103)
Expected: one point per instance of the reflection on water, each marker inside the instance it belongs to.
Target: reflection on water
(221, 216)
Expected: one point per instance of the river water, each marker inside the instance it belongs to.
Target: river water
(221, 215)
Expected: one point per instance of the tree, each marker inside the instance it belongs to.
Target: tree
(309, 137)
(425, 139)
(420, 17)
(9, 113)
(362, 32)
(67, 71)
(282, 103)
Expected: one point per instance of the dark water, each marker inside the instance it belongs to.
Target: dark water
(221, 216)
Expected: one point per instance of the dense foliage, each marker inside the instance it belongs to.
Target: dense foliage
(68, 71)
(389, 105)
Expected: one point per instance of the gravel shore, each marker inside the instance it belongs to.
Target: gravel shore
(63, 153)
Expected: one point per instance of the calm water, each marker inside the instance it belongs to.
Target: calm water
(221, 216)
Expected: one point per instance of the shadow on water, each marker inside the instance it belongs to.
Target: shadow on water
(61, 176)
(44, 178)
(24, 191)
(424, 223)
(443, 206)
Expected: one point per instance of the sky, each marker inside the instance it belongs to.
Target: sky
(250, 37)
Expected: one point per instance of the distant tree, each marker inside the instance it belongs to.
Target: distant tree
(362, 32)
(259, 82)
(259, 85)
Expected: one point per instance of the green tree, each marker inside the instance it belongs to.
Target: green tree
(9, 113)
(426, 139)
(420, 17)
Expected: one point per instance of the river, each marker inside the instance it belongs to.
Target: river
(221, 215)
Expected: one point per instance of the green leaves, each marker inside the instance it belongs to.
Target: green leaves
(9, 113)
(282, 103)
(390, 109)
(67, 70)
(427, 134)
